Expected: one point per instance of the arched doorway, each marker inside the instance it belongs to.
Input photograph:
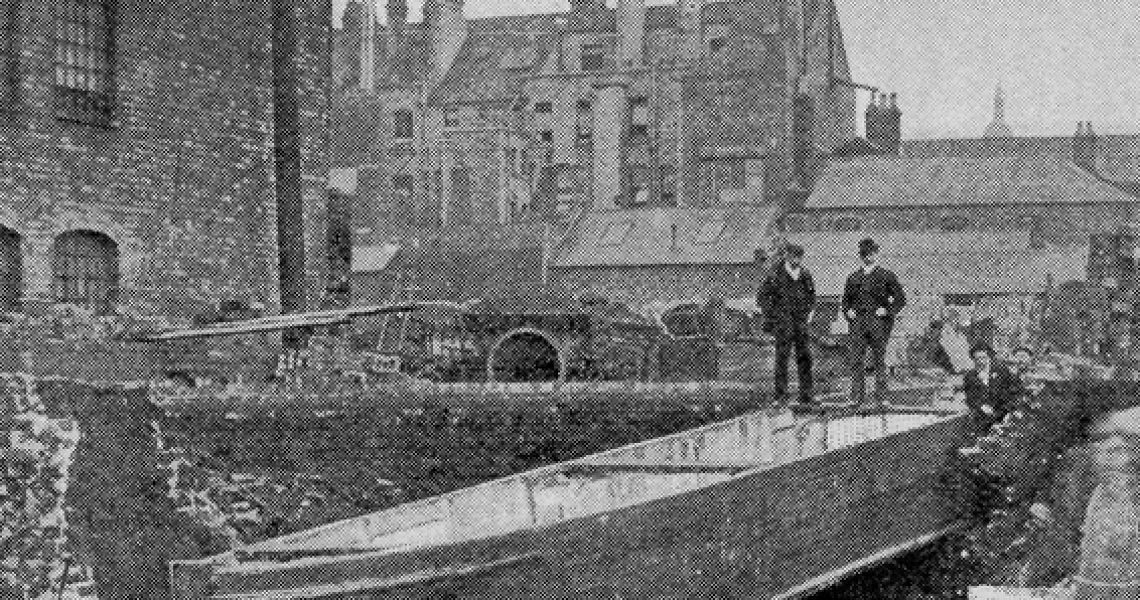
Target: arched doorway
(11, 270)
(85, 269)
(525, 355)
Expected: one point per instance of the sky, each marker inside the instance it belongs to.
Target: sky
(1059, 61)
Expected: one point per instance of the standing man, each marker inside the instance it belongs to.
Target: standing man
(871, 299)
(788, 300)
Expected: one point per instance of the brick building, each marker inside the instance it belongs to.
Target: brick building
(138, 152)
(460, 124)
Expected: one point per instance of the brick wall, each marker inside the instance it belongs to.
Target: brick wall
(181, 179)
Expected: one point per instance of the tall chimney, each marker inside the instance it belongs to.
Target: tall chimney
(397, 25)
(609, 143)
(631, 33)
(448, 30)
(287, 158)
(873, 121)
(689, 22)
(1084, 146)
(352, 22)
(893, 124)
(803, 126)
(368, 47)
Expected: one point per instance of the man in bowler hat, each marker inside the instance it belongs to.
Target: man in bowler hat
(871, 299)
(788, 299)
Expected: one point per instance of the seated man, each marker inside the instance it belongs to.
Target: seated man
(990, 388)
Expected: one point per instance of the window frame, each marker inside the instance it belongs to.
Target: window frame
(11, 270)
(72, 262)
(83, 61)
(403, 125)
(639, 117)
(9, 54)
(592, 57)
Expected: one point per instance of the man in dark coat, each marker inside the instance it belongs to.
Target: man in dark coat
(787, 297)
(991, 388)
(871, 299)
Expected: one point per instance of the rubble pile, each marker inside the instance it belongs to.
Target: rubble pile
(37, 454)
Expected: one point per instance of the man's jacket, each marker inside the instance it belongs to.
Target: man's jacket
(786, 302)
(865, 293)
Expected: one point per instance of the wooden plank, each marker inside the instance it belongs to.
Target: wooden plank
(650, 466)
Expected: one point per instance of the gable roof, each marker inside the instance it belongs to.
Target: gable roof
(668, 236)
(1117, 156)
(491, 64)
(897, 182)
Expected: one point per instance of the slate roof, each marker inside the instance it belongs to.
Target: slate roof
(1118, 156)
(946, 262)
(488, 66)
(897, 182)
(491, 64)
(645, 237)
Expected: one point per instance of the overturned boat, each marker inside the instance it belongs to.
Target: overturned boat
(772, 504)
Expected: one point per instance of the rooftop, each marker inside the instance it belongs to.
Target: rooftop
(668, 236)
(895, 182)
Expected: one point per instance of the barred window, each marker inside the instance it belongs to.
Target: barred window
(85, 270)
(83, 60)
(9, 51)
(11, 270)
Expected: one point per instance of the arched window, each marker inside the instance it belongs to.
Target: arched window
(403, 125)
(85, 269)
(11, 270)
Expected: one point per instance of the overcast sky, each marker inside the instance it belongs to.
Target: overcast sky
(1059, 61)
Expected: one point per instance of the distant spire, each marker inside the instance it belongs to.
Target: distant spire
(998, 127)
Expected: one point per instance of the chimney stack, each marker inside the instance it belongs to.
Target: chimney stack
(397, 25)
(803, 127)
(1084, 146)
(884, 122)
(448, 30)
(893, 125)
(631, 33)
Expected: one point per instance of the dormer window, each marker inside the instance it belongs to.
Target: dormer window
(717, 45)
(542, 108)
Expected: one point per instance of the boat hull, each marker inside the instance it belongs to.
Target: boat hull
(780, 531)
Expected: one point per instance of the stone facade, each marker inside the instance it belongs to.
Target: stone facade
(176, 178)
(540, 117)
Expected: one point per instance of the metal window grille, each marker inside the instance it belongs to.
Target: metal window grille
(84, 60)
(11, 271)
(85, 270)
(9, 51)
